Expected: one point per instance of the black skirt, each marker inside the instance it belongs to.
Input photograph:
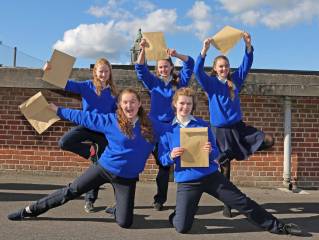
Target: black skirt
(242, 140)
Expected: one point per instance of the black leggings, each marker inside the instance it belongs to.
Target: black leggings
(93, 177)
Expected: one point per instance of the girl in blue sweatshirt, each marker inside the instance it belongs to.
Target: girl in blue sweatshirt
(192, 182)
(131, 138)
(235, 139)
(161, 87)
(99, 96)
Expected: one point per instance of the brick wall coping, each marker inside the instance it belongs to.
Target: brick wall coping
(259, 82)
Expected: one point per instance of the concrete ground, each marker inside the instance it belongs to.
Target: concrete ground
(71, 222)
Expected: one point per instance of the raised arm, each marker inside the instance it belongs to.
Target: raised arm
(200, 75)
(143, 74)
(141, 56)
(240, 75)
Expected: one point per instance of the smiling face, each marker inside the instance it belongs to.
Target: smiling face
(164, 68)
(103, 73)
(130, 105)
(221, 67)
(183, 106)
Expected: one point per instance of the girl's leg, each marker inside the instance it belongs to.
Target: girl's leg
(91, 178)
(72, 141)
(228, 193)
(267, 143)
(162, 179)
(187, 199)
(124, 196)
(225, 170)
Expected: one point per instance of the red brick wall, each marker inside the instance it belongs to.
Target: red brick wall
(22, 149)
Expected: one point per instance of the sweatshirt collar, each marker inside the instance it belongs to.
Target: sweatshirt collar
(184, 124)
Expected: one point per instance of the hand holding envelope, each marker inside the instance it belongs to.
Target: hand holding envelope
(58, 70)
(38, 113)
(36, 109)
(194, 142)
(155, 46)
(226, 39)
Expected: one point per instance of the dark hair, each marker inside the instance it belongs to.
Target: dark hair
(175, 76)
(230, 83)
(126, 126)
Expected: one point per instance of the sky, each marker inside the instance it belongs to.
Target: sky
(285, 33)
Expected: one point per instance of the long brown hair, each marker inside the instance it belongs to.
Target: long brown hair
(126, 126)
(230, 83)
(97, 83)
(175, 76)
(185, 91)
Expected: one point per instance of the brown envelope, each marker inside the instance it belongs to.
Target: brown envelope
(193, 140)
(62, 65)
(37, 112)
(226, 39)
(157, 46)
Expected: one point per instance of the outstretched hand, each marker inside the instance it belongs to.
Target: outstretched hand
(206, 45)
(47, 66)
(53, 107)
(247, 39)
(171, 52)
(143, 43)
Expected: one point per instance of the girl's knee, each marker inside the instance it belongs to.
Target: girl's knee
(124, 223)
(183, 228)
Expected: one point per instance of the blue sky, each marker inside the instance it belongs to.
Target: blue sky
(285, 33)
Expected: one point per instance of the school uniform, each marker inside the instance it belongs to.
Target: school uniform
(225, 113)
(73, 139)
(193, 182)
(120, 164)
(161, 94)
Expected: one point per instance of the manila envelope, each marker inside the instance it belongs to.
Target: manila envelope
(62, 65)
(157, 49)
(226, 39)
(193, 140)
(36, 110)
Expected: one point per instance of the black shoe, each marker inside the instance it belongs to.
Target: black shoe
(225, 157)
(227, 212)
(158, 206)
(111, 210)
(171, 217)
(20, 215)
(292, 229)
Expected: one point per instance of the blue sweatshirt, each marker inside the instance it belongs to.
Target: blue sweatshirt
(105, 103)
(124, 157)
(171, 139)
(162, 94)
(223, 110)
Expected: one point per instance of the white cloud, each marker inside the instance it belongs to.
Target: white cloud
(114, 38)
(301, 12)
(112, 10)
(94, 41)
(202, 19)
(272, 13)
(144, 5)
(250, 17)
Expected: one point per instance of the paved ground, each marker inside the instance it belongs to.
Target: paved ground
(71, 222)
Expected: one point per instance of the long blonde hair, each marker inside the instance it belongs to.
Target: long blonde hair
(126, 126)
(230, 83)
(97, 83)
